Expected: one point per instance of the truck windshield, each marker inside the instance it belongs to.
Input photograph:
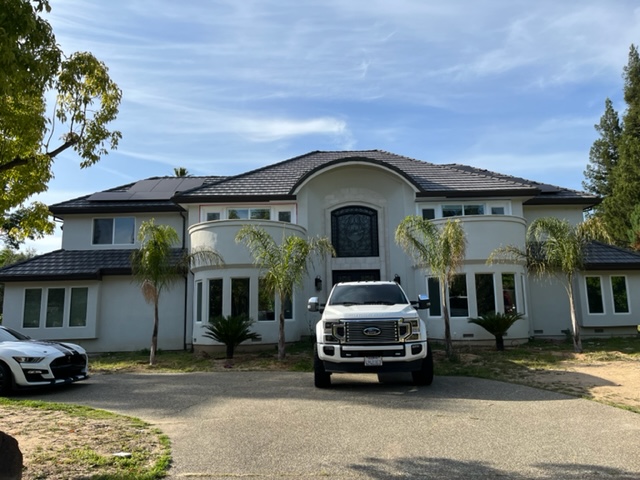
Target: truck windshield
(386, 294)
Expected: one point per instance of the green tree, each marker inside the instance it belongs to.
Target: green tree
(181, 172)
(625, 175)
(555, 248)
(439, 249)
(231, 330)
(497, 324)
(9, 257)
(32, 69)
(603, 155)
(157, 265)
(285, 265)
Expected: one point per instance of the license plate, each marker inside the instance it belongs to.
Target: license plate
(372, 361)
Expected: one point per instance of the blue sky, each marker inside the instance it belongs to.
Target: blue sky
(223, 87)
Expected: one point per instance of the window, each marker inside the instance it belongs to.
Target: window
(354, 232)
(239, 296)
(266, 307)
(287, 308)
(55, 307)
(458, 210)
(198, 305)
(458, 300)
(428, 213)
(509, 293)
(433, 287)
(594, 294)
(497, 210)
(249, 213)
(114, 231)
(284, 217)
(212, 216)
(215, 298)
(485, 293)
(619, 291)
(78, 303)
(78, 308)
(32, 305)
(474, 209)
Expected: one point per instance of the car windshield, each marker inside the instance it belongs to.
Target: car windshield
(8, 335)
(382, 294)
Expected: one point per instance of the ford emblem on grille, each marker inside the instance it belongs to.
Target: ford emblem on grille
(372, 331)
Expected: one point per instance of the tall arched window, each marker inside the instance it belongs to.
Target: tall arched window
(354, 232)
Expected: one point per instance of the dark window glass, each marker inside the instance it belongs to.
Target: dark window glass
(238, 214)
(428, 213)
(124, 230)
(497, 210)
(260, 214)
(354, 232)
(102, 231)
(55, 307)
(78, 307)
(284, 217)
(287, 306)
(32, 304)
(451, 210)
(594, 295)
(458, 300)
(215, 298)
(474, 209)
(619, 290)
(509, 292)
(211, 216)
(485, 293)
(266, 308)
(433, 287)
(198, 301)
(240, 296)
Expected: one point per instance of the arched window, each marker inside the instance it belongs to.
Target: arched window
(354, 232)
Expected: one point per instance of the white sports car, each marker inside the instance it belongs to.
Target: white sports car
(33, 363)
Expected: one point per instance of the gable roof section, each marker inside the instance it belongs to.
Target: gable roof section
(149, 195)
(600, 256)
(280, 181)
(62, 265)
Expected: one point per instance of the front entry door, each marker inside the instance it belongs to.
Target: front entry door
(355, 275)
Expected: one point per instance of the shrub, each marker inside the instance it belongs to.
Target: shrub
(231, 330)
(497, 324)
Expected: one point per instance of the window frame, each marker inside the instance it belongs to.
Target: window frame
(114, 230)
(588, 298)
(626, 295)
(66, 309)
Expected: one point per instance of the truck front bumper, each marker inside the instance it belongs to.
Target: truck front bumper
(404, 357)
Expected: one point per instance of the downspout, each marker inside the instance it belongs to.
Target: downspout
(186, 283)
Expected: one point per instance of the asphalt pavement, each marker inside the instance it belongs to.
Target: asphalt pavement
(276, 425)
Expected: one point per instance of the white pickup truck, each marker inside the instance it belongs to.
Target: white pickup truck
(370, 327)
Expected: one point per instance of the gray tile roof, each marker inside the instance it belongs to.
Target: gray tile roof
(149, 195)
(72, 265)
(600, 256)
(281, 180)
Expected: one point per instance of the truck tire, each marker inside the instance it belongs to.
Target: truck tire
(321, 378)
(424, 376)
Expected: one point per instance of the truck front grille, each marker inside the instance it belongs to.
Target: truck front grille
(386, 331)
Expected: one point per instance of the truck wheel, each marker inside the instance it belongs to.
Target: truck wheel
(321, 378)
(424, 376)
(5, 380)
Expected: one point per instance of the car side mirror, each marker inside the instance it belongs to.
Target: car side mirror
(313, 305)
(423, 302)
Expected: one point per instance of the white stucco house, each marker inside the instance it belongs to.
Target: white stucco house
(84, 291)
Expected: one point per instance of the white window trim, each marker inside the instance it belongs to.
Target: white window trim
(586, 296)
(626, 286)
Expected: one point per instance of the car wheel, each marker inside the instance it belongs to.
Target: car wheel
(6, 381)
(424, 376)
(321, 378)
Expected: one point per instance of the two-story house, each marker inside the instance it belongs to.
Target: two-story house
(84, 291)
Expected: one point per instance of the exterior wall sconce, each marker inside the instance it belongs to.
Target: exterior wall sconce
(318, 283)
(396, 278)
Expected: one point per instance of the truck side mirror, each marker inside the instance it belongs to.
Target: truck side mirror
(313, 305)
(423, 302)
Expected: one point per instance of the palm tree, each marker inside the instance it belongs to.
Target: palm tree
(556, 248)
(285, 265)
(230, 330)
(497, 324)
(181, 172)
(157, 265)
(441, 250)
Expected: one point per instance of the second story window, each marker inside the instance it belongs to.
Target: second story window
(114, 231)
(249, 213)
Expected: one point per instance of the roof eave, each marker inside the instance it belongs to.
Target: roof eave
(233, 198)
(111, 209)
(521, 192)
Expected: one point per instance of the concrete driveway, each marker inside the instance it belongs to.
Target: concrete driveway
(274, 425)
